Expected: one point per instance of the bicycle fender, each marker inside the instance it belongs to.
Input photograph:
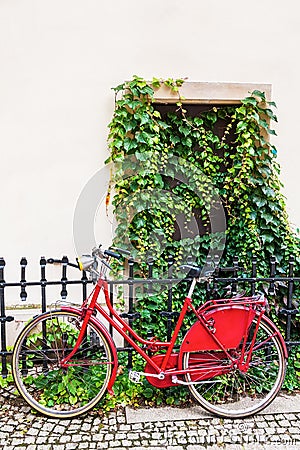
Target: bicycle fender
(228, 326)
(276, 330)
(107, 335)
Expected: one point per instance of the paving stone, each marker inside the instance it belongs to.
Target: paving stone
(124, 427)
(284, 423)
(71, 446)
(290, 416)
(98, 437)
(29, 440)
(114, 443)
(262, 424)
(58, 429)
(25, 431)
(175, 447)
(270, 430)
(102, 445)
(85, 427)
(8, 428)
(48, 426)
(196, 447)
(281, 430)
(109, 437)
(126, 443)
(119, 448)
(79, 437)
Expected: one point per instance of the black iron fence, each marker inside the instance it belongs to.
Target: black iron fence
(283, 285)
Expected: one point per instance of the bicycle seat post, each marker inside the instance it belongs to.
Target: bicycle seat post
(192, 287)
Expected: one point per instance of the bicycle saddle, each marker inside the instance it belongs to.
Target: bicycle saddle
(192, 271)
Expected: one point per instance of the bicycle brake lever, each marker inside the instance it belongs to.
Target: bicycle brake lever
(106, 264)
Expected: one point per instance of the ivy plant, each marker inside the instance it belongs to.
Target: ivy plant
(167, 167)
(241, 165)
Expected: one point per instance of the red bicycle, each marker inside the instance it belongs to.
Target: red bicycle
(233, 358)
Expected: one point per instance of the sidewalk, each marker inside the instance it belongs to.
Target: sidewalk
(153, 429)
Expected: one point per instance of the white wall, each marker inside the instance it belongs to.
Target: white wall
(59, 60)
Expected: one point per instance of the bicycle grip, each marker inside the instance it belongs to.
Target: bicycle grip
(121, 250)
(112, 254)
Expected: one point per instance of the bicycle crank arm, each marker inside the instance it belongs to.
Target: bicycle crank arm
(135, 376)
(176, 380)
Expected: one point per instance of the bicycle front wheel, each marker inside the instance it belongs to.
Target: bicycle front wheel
(44, 384)
(237, 394)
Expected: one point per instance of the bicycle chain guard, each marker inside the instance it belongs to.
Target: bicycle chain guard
(167, 380)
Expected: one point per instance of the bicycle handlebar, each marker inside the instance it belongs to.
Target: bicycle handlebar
(193, 271)
(60, 261)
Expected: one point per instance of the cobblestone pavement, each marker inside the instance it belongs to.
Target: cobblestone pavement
(23, 430)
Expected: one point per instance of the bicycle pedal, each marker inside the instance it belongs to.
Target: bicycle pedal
(134, 376)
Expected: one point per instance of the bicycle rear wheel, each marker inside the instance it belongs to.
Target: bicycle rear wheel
(50, 389)
(236, 394)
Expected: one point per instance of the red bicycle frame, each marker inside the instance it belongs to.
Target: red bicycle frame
(212, 331)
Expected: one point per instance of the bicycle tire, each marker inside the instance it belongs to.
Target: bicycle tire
(235, 394)
(49, 389)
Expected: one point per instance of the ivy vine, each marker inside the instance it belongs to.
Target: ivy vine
(241, 165)
(186, 158)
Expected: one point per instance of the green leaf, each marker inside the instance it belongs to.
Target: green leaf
(267, 238)
(264, 124)
(241, 126)
(270, 114)
(143, 117)
(184, 130)
(73, 399)
(272, 104)
(118, 88)
(139, 222)
(179, 82)
(255, 116)
(188, 142)
(249, 101)
(130, 144)
(158, 180)
(148, 392)
(174, 139)
(272, 132)
(133, 104)
(142, 137)
(242, 110)
(259, 94)
(267, 217)
(147, 90)
(270, 248)
(156, 82)
(130, 125)
(198, 121)
(212, 116)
